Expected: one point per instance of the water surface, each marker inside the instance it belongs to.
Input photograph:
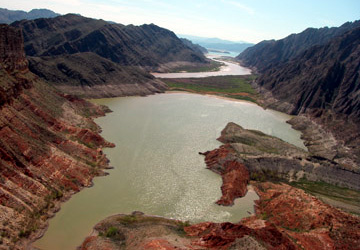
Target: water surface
(157, 168)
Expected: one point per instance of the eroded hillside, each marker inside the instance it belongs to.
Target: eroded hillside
(95, 58)
(49, 145)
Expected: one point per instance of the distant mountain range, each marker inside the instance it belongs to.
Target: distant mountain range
(194, 46)
(218, 44)
(9, 16)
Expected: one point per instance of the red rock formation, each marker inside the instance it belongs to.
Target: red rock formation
(48, 149)
(310, 222)
(224, 235)
(235, 180)
(235, 176)
(286, 218)
(157, 244)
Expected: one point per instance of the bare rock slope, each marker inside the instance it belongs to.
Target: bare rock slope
(96, 58)
(49, 145)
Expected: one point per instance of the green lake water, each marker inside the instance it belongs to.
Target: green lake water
(157, 168)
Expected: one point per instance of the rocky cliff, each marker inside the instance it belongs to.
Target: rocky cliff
(49, 145)
(322, 77)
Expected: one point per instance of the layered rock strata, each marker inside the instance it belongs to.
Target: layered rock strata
(49, 146)
(286, 218)
(266, 157)
(95, 58)
(235, 175)
(90, 75)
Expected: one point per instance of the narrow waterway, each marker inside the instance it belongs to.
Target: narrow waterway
(228, 68)
(157, 168)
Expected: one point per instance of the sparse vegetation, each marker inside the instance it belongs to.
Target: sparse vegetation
(237, 87)
(344, 198)
(211, 67)
(181, 226)
(111, 232)
(127, 219)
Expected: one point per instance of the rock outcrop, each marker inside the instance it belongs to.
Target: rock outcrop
(138, 231)
(12, 53)
(49, 145)
(235, 175)
(286, 218)
(267, 157)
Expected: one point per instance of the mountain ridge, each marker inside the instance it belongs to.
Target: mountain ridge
(217, 43)
(118, 56)
(119, 43)
(271, 53)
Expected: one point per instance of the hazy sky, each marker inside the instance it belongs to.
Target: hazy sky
(238, 20)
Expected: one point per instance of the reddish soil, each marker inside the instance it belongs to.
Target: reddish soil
(235, 175)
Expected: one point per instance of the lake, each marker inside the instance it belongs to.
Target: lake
(157, 168)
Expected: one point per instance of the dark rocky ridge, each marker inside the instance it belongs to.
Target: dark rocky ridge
(9, 16)
(89, 75)
(94, 58)
(145, 45)
(270, 54)
(49, 146)
(322, 77)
